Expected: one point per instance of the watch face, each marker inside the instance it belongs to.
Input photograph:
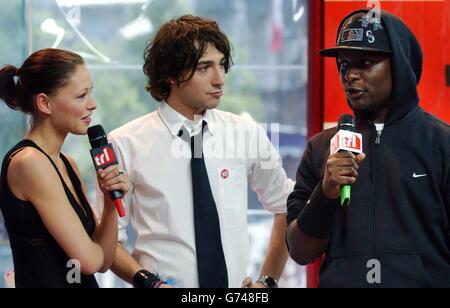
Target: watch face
(270, 282)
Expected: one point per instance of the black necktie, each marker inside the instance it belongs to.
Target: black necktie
(212, 269)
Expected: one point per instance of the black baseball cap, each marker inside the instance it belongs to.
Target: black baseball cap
(360, 31)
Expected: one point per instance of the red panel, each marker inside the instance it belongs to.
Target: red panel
(315, 67)
(430, 22)
(315, 94)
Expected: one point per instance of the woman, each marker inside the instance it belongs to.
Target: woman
(51, 227)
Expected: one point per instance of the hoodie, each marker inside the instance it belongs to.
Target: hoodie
(395, 232)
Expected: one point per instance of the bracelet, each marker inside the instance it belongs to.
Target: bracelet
(157, 284)
(144, 279)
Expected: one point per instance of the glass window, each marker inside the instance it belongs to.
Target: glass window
(267, 82)
(13, 49)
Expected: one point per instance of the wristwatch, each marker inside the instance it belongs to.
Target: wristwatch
(268, 281)
(144, 279)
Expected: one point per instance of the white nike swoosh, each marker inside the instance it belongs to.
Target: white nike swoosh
(418, 175)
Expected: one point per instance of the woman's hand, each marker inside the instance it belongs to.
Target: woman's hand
(113, 178)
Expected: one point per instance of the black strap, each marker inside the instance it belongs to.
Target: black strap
(29, 143)
(212, 269)
(76, 184)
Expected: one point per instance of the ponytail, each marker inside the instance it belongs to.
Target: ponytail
(10, 87)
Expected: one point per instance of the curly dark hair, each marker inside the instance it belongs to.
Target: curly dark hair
(176, 50)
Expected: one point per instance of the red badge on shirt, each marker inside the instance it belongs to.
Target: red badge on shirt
(225, 174)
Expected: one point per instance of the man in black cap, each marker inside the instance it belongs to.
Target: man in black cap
(395, 231)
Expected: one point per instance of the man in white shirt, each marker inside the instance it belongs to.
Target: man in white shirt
(185, 64)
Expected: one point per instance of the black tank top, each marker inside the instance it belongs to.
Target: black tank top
(39, 261)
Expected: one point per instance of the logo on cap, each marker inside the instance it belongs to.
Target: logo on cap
(352, 35)
(368, 19)
(370, 37)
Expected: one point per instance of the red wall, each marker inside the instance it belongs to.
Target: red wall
(430, 22)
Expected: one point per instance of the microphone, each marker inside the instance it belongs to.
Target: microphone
(103, 156)
(346, 139)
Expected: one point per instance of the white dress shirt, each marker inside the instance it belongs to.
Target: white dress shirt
(159, 204)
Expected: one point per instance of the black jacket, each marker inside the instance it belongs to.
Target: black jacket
(400, 206)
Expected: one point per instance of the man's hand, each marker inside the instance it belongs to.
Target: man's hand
(248, 283)
(341, 169)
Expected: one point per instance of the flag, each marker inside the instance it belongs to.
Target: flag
(276, 41)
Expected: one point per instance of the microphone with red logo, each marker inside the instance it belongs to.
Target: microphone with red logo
(103, 156)
(346, 139)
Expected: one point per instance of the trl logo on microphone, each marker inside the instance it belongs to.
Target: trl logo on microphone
(345, 140)
(352, 142)
(103, 157)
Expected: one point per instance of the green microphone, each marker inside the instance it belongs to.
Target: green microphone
(347, 140)
(345, 195)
